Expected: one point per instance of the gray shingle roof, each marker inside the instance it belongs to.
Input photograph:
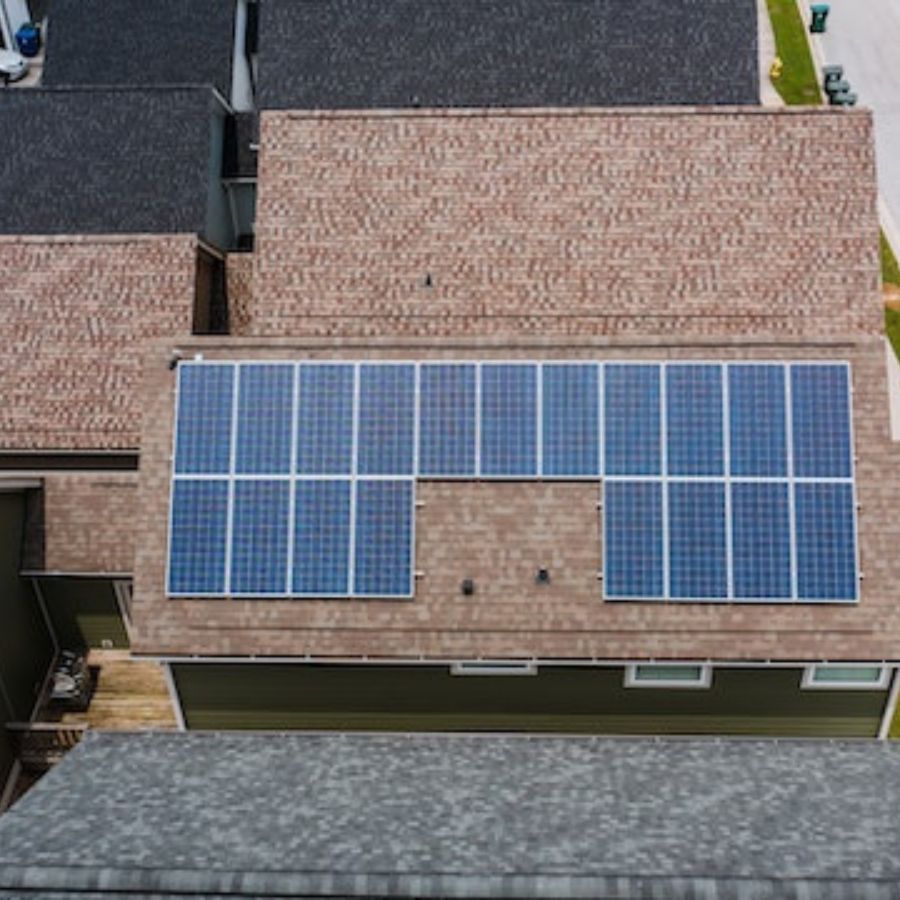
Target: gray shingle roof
(465, 816)
(138, 43)
(341, 54)
(104, 161)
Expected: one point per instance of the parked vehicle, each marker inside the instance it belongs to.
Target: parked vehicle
(13, 66)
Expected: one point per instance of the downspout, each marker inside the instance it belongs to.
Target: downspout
(890, 707)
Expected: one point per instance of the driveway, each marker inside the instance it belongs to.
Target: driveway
(864, 37)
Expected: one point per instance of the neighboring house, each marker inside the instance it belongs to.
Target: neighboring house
(168, 42)
(225, 815)
(112, 233)
(678, 510)
(363, 54)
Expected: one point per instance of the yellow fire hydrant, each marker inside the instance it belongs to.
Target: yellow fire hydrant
(775, 68)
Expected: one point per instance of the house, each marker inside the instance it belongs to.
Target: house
(112, 232)
(99, 43)
(389, 54)
(437, 450)
(226, 815)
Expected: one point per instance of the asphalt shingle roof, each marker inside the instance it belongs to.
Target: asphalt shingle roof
(138, 43)
(104, 161)
(340, 54)
(463, 816)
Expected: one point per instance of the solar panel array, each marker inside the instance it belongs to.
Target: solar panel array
(720, 481)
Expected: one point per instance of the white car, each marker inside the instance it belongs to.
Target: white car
(13, 66)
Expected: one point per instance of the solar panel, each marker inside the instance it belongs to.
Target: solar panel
(321, 565)
(447, 419)
(198, 534)
(383, 539)
(386, 441)
(325, 419)
(265, 410)
(826, 555)
(756, 395)
(778, 525)
(259, 541)
(570, 413)
(821, 421)
(694, 420)
(633, 539)
(631, 399)
(203, 427)
(697, 559)
(509, 420)
(761, 540)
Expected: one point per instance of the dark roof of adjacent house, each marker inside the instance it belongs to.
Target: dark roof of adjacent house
(462, 816)
(105, 161)
(133, 42)
(340, 54)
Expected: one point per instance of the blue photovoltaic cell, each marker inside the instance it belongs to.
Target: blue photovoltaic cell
(384, 519)
(694, 428)
(447, 419)
(199, 527)
(633, 539)
(387, 395)
(259, 537)
(826, 549)
(631, 419)
(821, 421)
(570, 413)
(697, 561)
(509, 420)
(203, 429)
(265, 405)
(757, 420)
(325, 420)
(322, 537)
(761, 540)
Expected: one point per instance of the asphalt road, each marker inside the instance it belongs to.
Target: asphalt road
(864, 37)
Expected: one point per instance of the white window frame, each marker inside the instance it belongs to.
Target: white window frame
(633, 679)
(493, 667)
(809, 682)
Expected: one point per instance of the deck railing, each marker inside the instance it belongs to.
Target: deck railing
(40, 745)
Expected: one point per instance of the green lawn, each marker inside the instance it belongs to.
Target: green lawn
(797, 84)
(892, 327)
(890, 271)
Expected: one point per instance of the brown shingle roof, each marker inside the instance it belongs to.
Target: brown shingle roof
(76, 312)
(609, 222)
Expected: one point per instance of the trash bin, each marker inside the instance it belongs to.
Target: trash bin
(832, 73)
(836, 86)
(28, 40)
(819, 15)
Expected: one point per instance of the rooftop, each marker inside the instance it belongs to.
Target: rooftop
(164, 42)
(77, 311)
(571, 222)
(140, 159)
(356, 54)
(475, 816)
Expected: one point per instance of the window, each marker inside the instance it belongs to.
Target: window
(846, 677)
(668, 675)
(493, 668)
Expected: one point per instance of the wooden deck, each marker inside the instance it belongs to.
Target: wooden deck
(130, 694)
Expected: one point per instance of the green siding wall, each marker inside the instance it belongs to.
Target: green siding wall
(84, 612)
(560, 699)
(26, 648)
